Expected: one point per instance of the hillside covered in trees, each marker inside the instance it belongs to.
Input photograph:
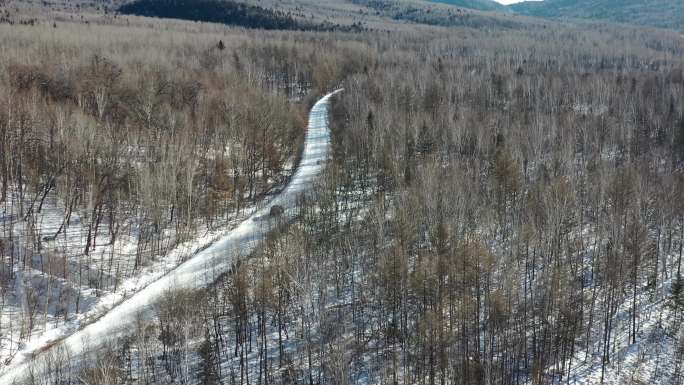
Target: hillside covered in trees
(502, 201)
(655, 13)
(222, 11)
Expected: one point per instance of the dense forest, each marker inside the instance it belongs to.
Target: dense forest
(226, 12)
(502, 205)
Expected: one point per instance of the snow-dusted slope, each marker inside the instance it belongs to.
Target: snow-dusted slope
(204, 267)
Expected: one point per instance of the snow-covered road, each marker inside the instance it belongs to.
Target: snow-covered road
(203, 268)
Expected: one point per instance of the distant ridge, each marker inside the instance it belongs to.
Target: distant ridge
(654, 13)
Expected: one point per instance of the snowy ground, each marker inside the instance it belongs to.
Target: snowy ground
(64, 271)
(651, 360)
(113, 314)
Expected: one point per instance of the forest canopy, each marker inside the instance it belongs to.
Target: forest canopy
(497, 200)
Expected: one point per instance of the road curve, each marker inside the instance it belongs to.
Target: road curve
(202, 269)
